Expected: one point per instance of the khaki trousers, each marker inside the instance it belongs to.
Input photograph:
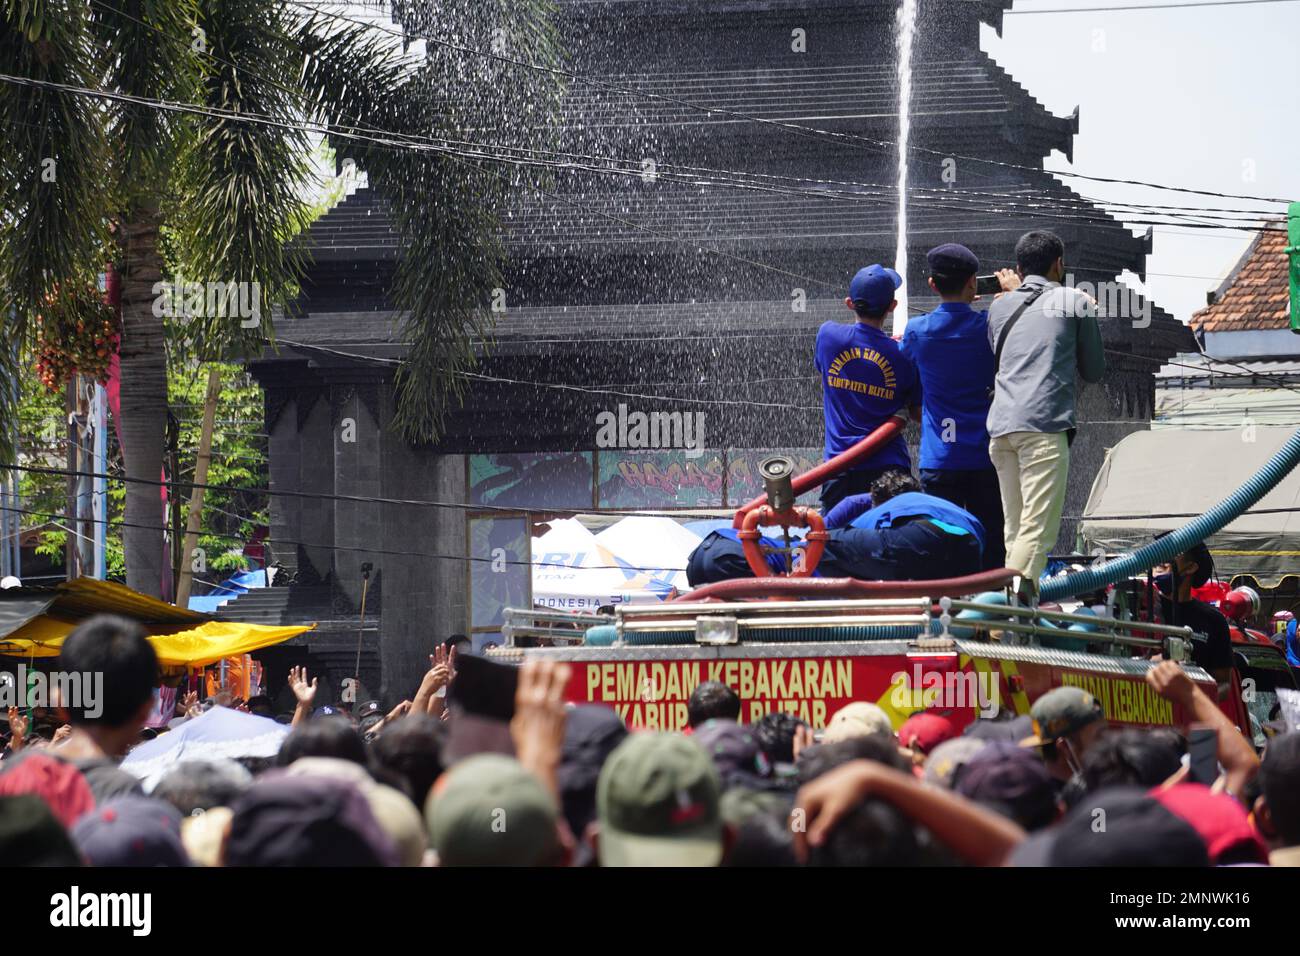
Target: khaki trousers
(1032, 468)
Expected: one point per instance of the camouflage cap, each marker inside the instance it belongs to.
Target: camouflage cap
(658, 803)
(1061, 712)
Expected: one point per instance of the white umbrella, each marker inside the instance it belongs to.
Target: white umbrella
(219, 733)
(571, 572)
(660, 545)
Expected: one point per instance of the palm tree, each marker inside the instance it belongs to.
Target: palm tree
(179, 133)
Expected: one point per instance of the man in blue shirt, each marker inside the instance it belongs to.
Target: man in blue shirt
(950, 347)
(866, 380)
(896, 533)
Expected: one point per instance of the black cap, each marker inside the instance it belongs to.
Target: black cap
(305, 821)
(1014, 730)
(30, 835)
(1119, 826)
(591, 732)
(952, 259)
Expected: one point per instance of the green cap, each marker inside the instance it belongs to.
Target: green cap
(658, 802)
(740, 803)
(492, 812)
(1061, 712)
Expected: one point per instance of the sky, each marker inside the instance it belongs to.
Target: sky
(1196, 97)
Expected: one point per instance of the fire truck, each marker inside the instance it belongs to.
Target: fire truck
(806, 645)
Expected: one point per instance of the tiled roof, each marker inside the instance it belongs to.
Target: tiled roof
(1258, 295)
(671, 213)
(969, 91)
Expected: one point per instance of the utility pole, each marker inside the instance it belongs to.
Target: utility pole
(72, 554)
(11, 521)
(200, 479)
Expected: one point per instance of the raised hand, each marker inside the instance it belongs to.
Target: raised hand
(1171, 682)
(1008, 279)
(401, 710)
(803, 739)
(444, 656)
(17, 728)
(304, 692)
(540, 713)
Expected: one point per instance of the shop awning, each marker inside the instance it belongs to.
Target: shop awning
(34, 622)
(1186, 472)
(196, 647)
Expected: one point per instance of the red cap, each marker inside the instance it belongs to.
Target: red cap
(925, 731)
(57, 782)
(1221, 821)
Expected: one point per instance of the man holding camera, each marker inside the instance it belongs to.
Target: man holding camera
(950, 347)
(1041, 334)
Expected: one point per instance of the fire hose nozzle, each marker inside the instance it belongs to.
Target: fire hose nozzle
(777, 473)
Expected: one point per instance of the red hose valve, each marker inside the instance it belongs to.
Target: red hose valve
(793, 518)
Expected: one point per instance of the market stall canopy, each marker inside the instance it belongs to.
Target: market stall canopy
(571, 571)
(84, 597)
(34, 622)
(196, 647)
(1187, 472)
(651, 552)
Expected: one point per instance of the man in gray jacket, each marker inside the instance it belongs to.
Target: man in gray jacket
(1032, 417)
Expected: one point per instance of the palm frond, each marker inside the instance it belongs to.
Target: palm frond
(153, 49)
(448, 210)
(241, 189)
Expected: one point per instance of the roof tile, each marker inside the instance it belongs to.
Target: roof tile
(1259, 297)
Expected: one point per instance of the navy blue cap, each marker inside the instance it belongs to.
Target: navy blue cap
(131, 831)
(1013, 776)
(952, 259)
(734, 750)
(874, 286)
(1138, 831)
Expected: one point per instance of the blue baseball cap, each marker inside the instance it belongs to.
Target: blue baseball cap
(874, 286)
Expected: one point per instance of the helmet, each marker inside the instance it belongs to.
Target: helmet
(1241, 604)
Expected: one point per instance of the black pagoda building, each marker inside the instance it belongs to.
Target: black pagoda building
(669, 290)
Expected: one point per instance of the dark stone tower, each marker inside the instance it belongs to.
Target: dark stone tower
(756, 137)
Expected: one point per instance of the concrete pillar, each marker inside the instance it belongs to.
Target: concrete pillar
(424, 597)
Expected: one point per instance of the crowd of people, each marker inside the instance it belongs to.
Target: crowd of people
(563, 785)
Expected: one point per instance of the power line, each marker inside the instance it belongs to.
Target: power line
(560, 386)
(922, 197)
(1057, 200)
(344, 548)
(323, 496)
(803, 130)
(1187, 220)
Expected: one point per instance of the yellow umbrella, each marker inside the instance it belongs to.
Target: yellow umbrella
(206, 644)
(210, 642)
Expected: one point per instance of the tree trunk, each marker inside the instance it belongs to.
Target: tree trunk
(143, 402)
